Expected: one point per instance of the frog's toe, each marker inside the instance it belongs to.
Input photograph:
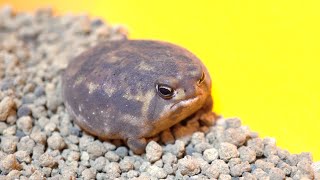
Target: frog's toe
(137, 145)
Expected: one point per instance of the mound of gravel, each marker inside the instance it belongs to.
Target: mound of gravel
(40, 141)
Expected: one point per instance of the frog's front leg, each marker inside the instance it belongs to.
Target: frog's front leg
(137, 145)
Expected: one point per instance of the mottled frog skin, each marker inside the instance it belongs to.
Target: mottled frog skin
(134, 89)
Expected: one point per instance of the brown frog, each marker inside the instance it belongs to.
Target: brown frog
(134, 89)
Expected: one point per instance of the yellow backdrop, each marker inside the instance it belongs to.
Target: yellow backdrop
(264, 56)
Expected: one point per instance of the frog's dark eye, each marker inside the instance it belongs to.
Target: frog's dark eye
(201, 78)
(165, 91)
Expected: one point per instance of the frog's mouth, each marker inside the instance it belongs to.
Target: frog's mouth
(184, 103)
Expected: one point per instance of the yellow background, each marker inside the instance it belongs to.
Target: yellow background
(263, 56)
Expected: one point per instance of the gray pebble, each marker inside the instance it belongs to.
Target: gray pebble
(122, 151)
(23, 156)
(234, 136)
(56, 142)
(224, 177)
(153, 151)
(3, 126)
(273, 159)
(256, 144)
(24, 110)
(9, 144)
(212, 172)
(188, 166)
(46, 171)
(168, 168)
(210, 154)
(286, 168)
(37, 175)
(132, 174)
(233, 122)
(26, 144)
(99, 163)
(101, 176)
(247, 154)
(109, 146)
(201, 147)
(38, 136)
(276, 174)
(112, 156)
(11, 130)
(222, 166)
(144, 166)
(46, 160)
(96, 149)
(25, 124)
(239, 169)
(37, 151)
(14, 174)
(74, 156)
(113, 170)
(126, 165)
(84, 156)
(169, 158)
(156, 172)
(260, 174)
(88, 174)
(28, 99)
(178, 148)
(228, 151)
(39, 91)
(265, 166)
(247, 176)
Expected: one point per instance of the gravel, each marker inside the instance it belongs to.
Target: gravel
(38, 139)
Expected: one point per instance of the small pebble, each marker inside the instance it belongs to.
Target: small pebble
(9, 144)
(9, 163)
(96, 149)
(153, 151)
(112, 156)
(88, 174)
(157, 172)
(188, 166)
(56, 142)
(212, 172)
(24, 110)
(276, 174)
(25, 124)
(247, 154)
(210, 154)
(23, 156)
(228, 151)
(6, 105)
(122, 151)
(47, 160)
(26, 144)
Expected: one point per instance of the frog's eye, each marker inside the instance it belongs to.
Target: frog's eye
(201, 78)
(165, 91)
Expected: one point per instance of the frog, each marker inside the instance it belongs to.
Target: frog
(131, 90)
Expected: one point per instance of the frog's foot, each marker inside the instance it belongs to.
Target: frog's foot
(137, 145)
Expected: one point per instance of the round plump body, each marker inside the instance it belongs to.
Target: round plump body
(134, 89)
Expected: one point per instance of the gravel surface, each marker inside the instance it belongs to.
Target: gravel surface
(40, 141)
